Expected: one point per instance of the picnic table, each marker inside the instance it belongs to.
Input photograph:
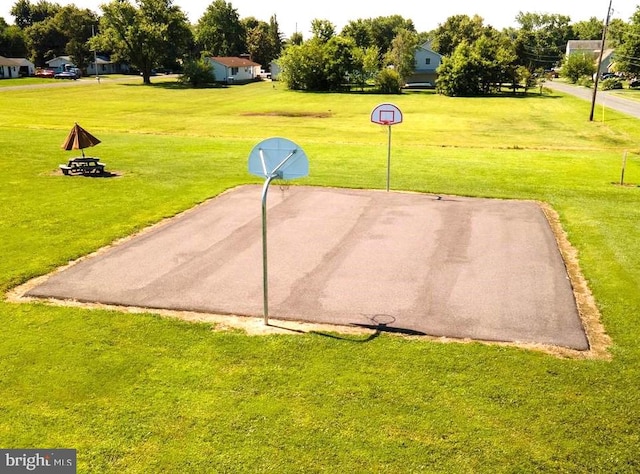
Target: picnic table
(83, 165)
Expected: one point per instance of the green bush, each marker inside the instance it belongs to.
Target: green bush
(198, 73)
(585, 81)
(388, 81)
(611, 83)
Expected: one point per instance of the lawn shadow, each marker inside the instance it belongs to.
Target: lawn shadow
(379, 324)
(104, 174)
(176, 85)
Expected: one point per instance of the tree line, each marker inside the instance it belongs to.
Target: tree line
(150, 34)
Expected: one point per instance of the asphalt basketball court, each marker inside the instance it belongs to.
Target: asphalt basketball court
(457, 267)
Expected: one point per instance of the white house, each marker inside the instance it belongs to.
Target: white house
(427, 62)
(59, 62)
(275, 69)
(27, 68)
(9, 68)
(106, 66)
(232, 70)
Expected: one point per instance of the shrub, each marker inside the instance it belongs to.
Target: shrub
(198, 73)
(611, 83)
(585, 81)
(388, 81)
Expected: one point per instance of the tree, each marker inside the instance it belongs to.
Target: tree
(153, 35)
(478, 68)
(27, 14)
(317, 65)
(370, 63)
(628, 52)
(378, 32)
(341, 61)
(360, 31)
(45, 41)
(220, 32)
(302, 66)
(323, 30)
(542, 39)
(590, 29)
(459, 73)
(264, 40)
(616, 32)
(296, 39)
(578, 65)
(401, 55)
(258, 40)
(275, 38)
(455, 30)
(76, 26)
(12, 41)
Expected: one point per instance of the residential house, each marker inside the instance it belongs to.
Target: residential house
(592, 48)
(106, 66)
(275, 69)
(427, 62)
(9, 68)
(59, 62)
(233, 70)
(27, 68)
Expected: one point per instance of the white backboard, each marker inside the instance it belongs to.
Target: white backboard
(386, 114)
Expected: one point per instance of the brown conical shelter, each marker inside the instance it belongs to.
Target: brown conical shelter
(79, 139)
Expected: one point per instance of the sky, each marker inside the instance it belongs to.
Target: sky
(296, 15)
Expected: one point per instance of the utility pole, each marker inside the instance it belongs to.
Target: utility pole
(595, 84)
(95, 56)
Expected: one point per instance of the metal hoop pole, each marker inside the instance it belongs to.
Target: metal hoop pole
(389, 159)
(265, 276)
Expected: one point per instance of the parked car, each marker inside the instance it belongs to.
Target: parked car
(418, 85)
(66, 75)
(634, 83)
(48, 73)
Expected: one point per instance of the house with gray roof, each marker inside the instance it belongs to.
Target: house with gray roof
(9, 68)
(592, 48)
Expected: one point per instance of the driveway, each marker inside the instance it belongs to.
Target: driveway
(457, 267)
(608, 99)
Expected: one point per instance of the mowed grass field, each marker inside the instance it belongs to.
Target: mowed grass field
(142, 393)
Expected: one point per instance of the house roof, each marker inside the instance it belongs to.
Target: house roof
(583, 45)
(427, 47)
(58, 58)
(8, 62)
(234, 61)
(22, 61)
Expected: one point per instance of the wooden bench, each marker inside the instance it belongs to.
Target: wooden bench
(84, 166)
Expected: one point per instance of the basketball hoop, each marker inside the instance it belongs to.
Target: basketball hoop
(387, 114)
(276, 159)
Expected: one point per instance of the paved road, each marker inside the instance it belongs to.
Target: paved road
(459, 267)
(626, 106)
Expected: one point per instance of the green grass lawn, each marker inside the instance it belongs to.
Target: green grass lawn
(143, 393)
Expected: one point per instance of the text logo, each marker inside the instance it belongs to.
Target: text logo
(45, 461)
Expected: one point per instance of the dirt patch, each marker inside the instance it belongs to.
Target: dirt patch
(289, 114)
(599, 341)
